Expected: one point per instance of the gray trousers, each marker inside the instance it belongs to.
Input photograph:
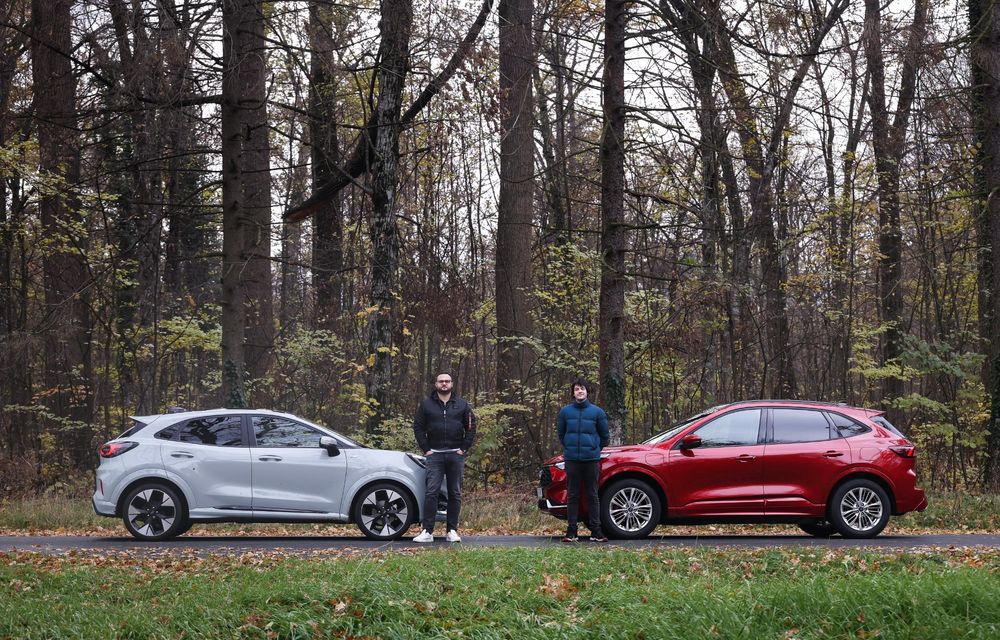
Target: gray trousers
(440, 466)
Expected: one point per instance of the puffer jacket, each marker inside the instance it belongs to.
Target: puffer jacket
(583, 431)
(444, 426)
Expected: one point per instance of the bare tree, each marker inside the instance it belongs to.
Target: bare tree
(889, 143)
(393, 55)
(68, 322)
(613, 242)
(516, 207)
(984, 27)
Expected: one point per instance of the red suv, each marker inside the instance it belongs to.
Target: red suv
(828, 468)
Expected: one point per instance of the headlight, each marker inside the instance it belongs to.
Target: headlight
(560, 465)
(422, 461)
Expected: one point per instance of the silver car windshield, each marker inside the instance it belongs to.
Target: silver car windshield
(338, 435)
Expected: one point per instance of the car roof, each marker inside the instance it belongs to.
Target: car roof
(818, 404)
(187, 415)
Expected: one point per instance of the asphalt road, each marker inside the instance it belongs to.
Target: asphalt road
(306, 544)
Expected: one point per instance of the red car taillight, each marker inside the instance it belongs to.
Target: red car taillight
(905, 452)
(112, 449)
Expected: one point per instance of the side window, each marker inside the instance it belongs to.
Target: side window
(168, 433)
(219, 431)
(846, 426)
(800, 425)
(272, 431)
(135, 428)
(732, 429)
(882, 421)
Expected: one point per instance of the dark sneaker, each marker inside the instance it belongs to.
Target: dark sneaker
(570, 539)
(599, 538)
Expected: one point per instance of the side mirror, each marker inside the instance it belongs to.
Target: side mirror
(690, 442)
(330, 445)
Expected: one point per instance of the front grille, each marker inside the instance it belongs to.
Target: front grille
(544, 477)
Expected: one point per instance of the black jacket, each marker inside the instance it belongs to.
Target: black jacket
(440, 426)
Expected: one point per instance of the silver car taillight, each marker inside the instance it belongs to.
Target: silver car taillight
(112, 449)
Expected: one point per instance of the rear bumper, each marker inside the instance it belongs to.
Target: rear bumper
(103, 508)
(915, 500)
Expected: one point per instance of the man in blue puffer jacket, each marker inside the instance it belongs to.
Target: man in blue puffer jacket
(583, 432)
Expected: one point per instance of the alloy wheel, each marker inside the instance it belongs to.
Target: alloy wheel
(631, 509)
(861, 509)
(384, 512)
(151, 512)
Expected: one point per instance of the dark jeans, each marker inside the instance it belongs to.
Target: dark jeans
(440, 465)
(586, 474)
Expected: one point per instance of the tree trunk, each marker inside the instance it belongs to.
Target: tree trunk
(888, 142)
(68, 321)
(236, 15)
(328, 220)
(984, 23)
(395, 25)
(611, 341)
(136, 179)
(517, 182)
(252, 71)
(761, 164)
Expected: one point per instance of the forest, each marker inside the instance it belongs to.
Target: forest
(314, 206)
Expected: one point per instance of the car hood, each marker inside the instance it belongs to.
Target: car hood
(626, 448)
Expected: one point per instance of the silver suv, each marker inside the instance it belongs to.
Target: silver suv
(172, 470)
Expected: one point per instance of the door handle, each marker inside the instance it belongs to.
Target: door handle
(269, 459)
(181, 454)
(833, 454)
(746, 458)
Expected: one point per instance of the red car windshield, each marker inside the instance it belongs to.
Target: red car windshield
(677, 428)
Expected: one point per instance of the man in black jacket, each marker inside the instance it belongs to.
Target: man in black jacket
(445, 427)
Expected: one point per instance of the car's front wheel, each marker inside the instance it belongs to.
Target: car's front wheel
(630, 509)
(384, 511)
(859, 509)
(154, 511)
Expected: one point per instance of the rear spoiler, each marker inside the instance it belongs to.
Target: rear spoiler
(143, 419)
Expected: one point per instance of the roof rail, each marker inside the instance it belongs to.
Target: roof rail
(838, 403)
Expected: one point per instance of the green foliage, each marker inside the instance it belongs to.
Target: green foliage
(566, 308)
(957, 417)
(489, 456)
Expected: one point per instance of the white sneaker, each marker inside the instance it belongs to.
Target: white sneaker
(424, 536)
(453, 536)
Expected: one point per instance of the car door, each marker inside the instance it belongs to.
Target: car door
(292, 474)
(804, 456)
(722, 476)
(212, 457)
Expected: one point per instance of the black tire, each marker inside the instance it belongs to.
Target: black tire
(859, 509)
(630, 509)
(154, 511)
(818, 528)
(384, 511)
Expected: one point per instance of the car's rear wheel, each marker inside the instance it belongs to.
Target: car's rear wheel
(859, 509)
(154, 511)
(384, 511)
(630, 509)
(818, 528)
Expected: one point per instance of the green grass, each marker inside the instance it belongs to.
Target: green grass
(49, 512)
(503, 593)
(956, 510)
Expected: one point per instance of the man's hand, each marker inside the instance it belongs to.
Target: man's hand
(460, 452)
(427, 453)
